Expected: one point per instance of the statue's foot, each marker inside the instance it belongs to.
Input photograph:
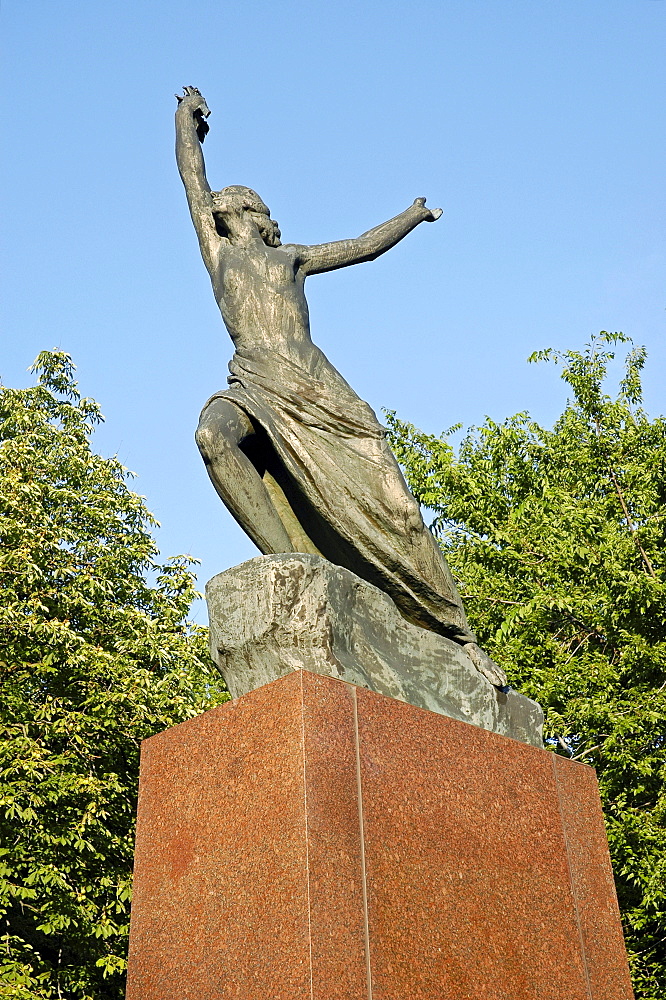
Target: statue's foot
(487, 667)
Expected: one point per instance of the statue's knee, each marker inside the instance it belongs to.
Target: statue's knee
(205, 438)
(216, 437)
(221, 430)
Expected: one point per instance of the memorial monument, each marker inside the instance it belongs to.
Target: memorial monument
(300, 461)
(373, 815)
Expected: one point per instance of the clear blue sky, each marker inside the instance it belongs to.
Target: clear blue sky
(538, 127)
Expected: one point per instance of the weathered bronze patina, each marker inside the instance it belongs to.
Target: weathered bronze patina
(297, 457)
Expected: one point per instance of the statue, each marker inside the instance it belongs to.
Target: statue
(297, 457)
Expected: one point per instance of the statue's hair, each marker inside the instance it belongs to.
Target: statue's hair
(245, 195)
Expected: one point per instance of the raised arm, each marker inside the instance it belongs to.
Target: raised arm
(191, 129)
(329, 256)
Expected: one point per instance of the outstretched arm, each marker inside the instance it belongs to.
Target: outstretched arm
(329, 256)
(191, 129)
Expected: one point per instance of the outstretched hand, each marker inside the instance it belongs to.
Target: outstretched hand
(195, 102)
(430, 214)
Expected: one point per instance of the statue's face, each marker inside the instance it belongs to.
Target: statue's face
(268, 228)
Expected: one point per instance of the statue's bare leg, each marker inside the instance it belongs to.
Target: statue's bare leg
(222, 429)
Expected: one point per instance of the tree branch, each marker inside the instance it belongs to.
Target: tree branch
(632, 527)
(497, 600)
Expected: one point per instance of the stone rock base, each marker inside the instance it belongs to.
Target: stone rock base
(275, 614)
(317, 841)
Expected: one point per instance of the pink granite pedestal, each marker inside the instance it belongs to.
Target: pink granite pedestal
(316, 841)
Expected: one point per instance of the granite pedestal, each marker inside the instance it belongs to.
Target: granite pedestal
(314, 840)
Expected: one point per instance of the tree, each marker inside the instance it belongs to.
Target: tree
(558, 538)
(94, 659)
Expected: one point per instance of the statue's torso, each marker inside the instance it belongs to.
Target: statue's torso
(260, 292)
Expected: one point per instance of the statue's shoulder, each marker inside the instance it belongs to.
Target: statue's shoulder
(293, 252)
(291, 249)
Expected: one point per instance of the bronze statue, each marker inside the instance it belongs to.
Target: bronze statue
(298, 458)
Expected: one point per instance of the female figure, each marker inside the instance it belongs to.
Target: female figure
(297, 457)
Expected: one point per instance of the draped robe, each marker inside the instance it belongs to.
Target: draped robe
(336, 485)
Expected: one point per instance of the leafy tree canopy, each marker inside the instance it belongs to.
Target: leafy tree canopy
(558, 539)
(93, 659)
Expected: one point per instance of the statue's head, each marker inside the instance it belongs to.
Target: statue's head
(237, 200)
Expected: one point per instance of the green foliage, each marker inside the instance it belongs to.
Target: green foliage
(557, 538)
(93, 659)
